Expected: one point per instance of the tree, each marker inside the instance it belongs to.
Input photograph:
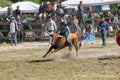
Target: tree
(16, 0)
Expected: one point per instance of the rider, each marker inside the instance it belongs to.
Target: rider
(64, 30)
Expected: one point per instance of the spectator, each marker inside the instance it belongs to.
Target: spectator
(48, 8)
(89, 32)
(60, 10)
(55, 6)
(42, 11)
(74, 25)
(50, 27)
(9, 16)
(115, 23)
(17, 12)
(63, 19)
(90, 15)
(81, 13)
(24, 20)
(107, 14)
(103, 28)
(54, 14)
(19, 33)
(13, 31)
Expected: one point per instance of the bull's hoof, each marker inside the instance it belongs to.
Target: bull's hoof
(44, 57)
(80, 44)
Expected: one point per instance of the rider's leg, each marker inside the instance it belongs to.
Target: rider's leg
(68, 40)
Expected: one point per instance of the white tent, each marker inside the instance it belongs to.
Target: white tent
(25, 7)
(89, 2)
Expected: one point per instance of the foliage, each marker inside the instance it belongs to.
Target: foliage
(4, 3)
(16, 0)
(35, 1)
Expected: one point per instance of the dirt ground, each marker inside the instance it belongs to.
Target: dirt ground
(24, 62)
(88, 50)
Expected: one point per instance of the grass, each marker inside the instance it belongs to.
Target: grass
(60, 70)
(28, 64)
(4, 3)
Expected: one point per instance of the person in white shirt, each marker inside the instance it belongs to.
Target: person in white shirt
(115, 23)
(13, 31)
(51, 27)
(55, 5)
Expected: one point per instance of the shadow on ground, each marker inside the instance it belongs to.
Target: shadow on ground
(38, 61)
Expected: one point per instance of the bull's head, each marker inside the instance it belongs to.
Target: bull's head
(55, 38)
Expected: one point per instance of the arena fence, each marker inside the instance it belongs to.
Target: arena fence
(37, 31)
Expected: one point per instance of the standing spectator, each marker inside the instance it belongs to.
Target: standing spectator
(51, 27)
(63, 19)
(115, 23)
(74, 25)
(81, 13)
(17, 12)
(42, 11)
(103, 28)
(19, 33)
(54, 14)
(13, 31)
(90, 15)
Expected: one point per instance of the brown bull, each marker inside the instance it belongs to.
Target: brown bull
(59, 42)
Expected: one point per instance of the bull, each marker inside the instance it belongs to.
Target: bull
(59, 42)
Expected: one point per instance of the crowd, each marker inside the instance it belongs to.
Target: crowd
(53, 16)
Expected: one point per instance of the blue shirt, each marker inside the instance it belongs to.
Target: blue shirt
(63, 31)
(41, 9)
(9, 16)
(103, 26)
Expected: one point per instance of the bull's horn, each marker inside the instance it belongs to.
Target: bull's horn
(60, 36)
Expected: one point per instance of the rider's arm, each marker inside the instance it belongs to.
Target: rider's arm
(67, 30)
(58, 30)
(55, 27)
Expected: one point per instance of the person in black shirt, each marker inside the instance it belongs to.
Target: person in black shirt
(17, 12)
